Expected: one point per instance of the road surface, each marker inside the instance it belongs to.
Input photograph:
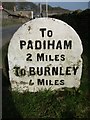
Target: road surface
(8, 32)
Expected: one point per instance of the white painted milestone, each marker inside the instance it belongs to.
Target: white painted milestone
(45, 53)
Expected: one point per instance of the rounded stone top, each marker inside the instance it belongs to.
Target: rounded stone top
(44, 45)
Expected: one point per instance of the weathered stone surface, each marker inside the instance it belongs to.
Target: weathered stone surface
(60, 49)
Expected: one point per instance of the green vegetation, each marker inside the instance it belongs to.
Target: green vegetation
(46, 104)
(8, 5)
(10, 22)
(32, 6)
(79, 21)
(26, 6)
(72, 104)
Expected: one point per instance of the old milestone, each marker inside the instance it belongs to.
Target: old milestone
(45, 53)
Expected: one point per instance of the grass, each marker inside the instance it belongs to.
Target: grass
(68, 104)
(10, 21)
(47, 104)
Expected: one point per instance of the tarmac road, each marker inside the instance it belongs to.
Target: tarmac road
(7, 33)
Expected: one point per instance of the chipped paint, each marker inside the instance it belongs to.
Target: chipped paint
(29, 28)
